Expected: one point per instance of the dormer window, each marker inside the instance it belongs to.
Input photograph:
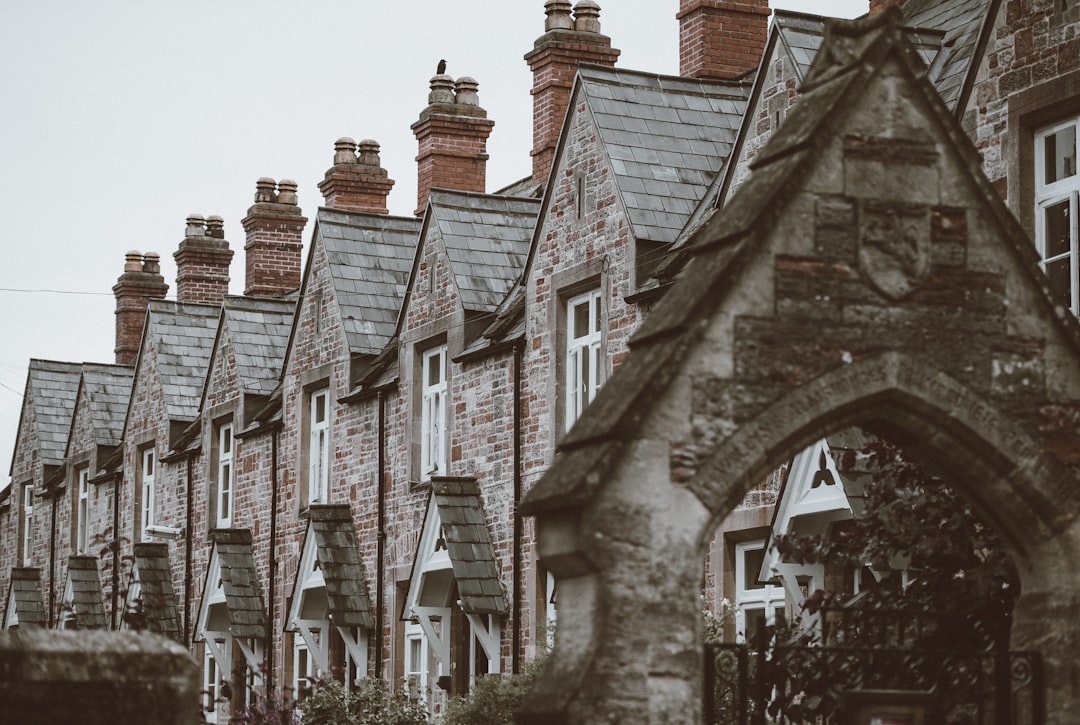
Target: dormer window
(319, 445)
(225, 472)
(433, 415)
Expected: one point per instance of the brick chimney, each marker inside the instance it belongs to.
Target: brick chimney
(452, 135)
(202, 262)
(140, 283)
(721, 39)
(876, 6)
(566, 43)
(275, 239)
(356, 181)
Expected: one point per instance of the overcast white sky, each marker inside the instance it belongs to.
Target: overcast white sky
(120, 118)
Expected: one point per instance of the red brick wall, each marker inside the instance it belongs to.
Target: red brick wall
(140, 282)
(202, 263)
(356, 181)
(721, 39)
(275, 240)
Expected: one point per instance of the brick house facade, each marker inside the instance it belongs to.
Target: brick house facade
(417, 371)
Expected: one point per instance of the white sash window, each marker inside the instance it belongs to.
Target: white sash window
(583, 365)
(319, 446)
(433, 415)
(1057, 188)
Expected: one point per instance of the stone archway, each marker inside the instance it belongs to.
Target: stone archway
(866, 274)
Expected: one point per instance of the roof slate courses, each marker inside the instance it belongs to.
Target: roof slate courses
(105, 390)
(464, 527)
(87, 601)
(156, 589)
(666, 138)
(259, 331)
(487, 241)
(369, 257)
(51, 387)
(339, 558)
(24, 590)
(588, 452)
(183, 335)
(240, 579)
(962, 22)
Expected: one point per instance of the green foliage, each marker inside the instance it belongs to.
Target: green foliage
(271, 711)
(493, 699)
(372, 704)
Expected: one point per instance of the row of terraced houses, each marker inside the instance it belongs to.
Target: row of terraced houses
(322, 476)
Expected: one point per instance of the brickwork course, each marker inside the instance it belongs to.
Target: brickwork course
(729, 230)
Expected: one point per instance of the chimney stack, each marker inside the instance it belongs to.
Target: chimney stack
(452, 135)
(274, 228)
(876, 6)
(140, 283)
(567, 42)
(356, 181)
(721, 39)
(202, 262)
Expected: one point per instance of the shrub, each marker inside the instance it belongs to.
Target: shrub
(493, 699)
(372, 704)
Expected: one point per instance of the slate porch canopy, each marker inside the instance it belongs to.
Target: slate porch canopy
(83, 605)
(232, 609)
(25, 601)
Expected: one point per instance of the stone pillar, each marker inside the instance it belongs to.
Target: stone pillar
(274, 228)
(567, 42)
(452, 135)
(202, 262)
(356, 181)
(140, 283)
(721, 39)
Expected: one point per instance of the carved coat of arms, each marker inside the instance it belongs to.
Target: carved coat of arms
(894, 247)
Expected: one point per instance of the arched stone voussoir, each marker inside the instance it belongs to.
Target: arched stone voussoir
(1025, 492)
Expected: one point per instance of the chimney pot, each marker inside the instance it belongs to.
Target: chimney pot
(442, 89)
(558, 15)
(344, 151)
(287, 192)
(196, 226)
(215, 227)
(133, 261)
(587, 17)
(368, 153)
(264, 189)
(152, 263)
(466, 88)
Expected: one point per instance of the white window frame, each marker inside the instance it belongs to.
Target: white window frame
(147, 474)
(82, 510)
(318, 446)
(416, 661)
(769, 598)
(433, 414)
(226, 475)
(583, 362)
(301, 675)
(1067, 190)
(27, 523)
(209, 685)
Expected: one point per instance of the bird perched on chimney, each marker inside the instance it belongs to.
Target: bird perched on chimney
(441, 69)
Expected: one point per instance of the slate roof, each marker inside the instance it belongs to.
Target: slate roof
(369, 256)
(51, 387)
(962, 22)
(240, 580)
(183, 335)
(487, 241)
(105, 391)
(666, 138)
(259, 331)
(25, 597)
(594, 445)
(156, 589)
(87, 602)
(338, 553)
(464, 527)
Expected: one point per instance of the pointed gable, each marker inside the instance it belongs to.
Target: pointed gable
(962, 23)
(83, 605)
(48, 404)
(666, 138)
(104, 391)
(182, 336)
(25, 602)
(254, 333)
(331, 548)
(232, 582)
(486, 239)
(151, 601)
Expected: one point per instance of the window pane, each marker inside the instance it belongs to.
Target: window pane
(1060, 154)
(1059, 272)
(596, 314)
(581, 319)
(148, 463)
(755, 622)
(752, 561)
(1057, 229)
(320, 408)
(434, 371)
(226, 440)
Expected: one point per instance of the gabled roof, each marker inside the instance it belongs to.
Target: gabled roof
(234, 561)
(963, 22)
(155, 590)
(259, 332)
(487, 241)
(369, 256)
(50, 389)
(666, 138)
(183, 335)
(337, 551)
(105, 390)
(83, 595)
(465, 529)
(25, 602)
